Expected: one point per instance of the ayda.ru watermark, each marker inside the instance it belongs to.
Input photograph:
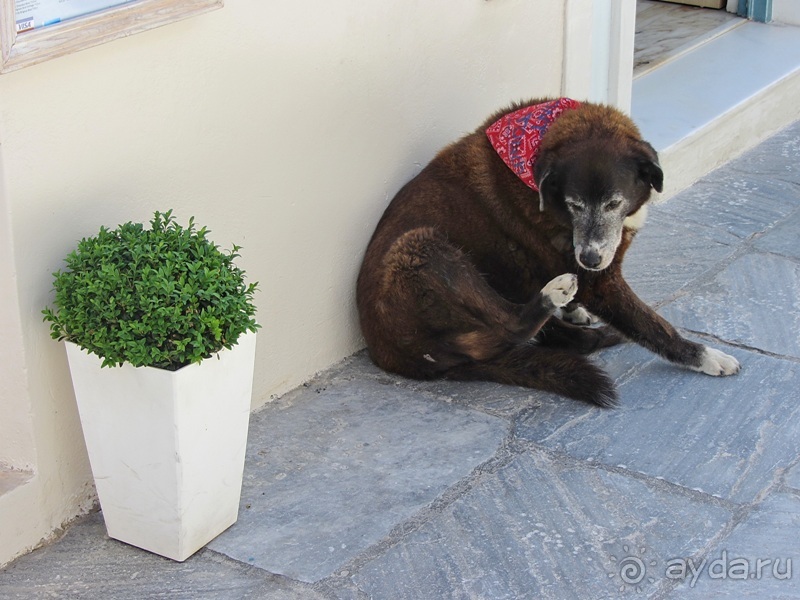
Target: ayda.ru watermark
(634, 569)
(728, 568)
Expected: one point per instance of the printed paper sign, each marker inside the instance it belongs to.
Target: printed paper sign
(32, 14)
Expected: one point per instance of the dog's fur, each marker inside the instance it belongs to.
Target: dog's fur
(454, 282)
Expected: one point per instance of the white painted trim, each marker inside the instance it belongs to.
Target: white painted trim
(576, 75)
(598, 51)
(601, 49)
(620, 69)
(786, 11)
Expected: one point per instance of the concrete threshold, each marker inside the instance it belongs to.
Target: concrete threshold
(711, 104)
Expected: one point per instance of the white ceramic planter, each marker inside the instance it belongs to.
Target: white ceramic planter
(167, 447)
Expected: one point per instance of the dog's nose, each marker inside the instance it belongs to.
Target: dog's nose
(590, 258)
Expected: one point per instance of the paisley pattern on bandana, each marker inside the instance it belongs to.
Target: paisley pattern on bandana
(516, 137)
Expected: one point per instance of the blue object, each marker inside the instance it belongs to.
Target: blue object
(757, 10)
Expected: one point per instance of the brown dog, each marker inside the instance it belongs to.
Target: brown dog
(454, 282)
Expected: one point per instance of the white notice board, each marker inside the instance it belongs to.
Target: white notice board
(32, 14)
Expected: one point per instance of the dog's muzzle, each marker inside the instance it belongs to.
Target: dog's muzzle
(593, 257)
(590, 258)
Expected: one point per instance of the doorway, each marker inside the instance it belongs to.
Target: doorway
(666, 30)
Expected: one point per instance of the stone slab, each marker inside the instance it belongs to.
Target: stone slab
(778, 157)
(356, 366)
(669, 253)
(724, 436)
(331, 470)
(784, 238)
(755, 301)
(793, 481)
(734, 201)
(86, 564)
(754, 562)
(504, 401)
(540, 528)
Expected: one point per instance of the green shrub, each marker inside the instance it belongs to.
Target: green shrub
(164, 297)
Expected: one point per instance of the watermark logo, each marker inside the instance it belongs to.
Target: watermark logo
(723, 567)
(631, 567)
(634, 569)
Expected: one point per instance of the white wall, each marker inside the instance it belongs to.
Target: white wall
(786, 11)
(284, 127)
(17, 449)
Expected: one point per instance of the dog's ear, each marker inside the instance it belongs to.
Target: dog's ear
(541, 193)
(542, 169)
(649, 168)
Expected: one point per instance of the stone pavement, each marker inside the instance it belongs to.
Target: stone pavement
(361, 484)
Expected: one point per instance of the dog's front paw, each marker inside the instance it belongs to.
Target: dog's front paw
(561, 290)
(717, 363)
(577, 315)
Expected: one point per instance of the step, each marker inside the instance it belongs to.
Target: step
(709, 105)
(16, 493)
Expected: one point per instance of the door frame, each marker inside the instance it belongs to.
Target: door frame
(756, 10)
(598, 51)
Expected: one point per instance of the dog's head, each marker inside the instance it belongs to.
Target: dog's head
(594, 185)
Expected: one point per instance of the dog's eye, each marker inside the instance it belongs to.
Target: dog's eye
(613, 205)
(573, 205)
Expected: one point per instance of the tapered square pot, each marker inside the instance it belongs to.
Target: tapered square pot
(167, 447)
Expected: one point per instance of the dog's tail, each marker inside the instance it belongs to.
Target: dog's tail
(547, 369)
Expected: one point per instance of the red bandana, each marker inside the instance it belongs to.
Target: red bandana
(516, 136)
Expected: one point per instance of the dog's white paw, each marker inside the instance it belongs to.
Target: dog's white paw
(717, 363)
(578, 316)
(561, 290)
